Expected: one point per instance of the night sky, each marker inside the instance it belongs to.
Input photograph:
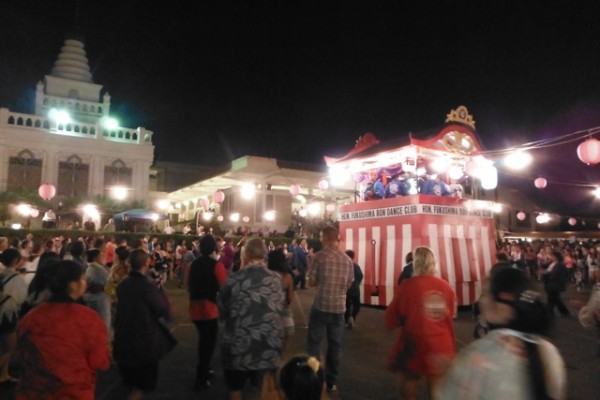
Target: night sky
(299, 80)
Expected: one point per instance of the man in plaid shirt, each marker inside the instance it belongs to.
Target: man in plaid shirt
(331, 272)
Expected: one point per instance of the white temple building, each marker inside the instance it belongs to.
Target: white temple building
(69, 142)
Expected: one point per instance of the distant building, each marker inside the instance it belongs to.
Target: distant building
(68, 141)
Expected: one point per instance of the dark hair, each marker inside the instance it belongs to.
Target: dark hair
(77, 248)
(9, 256)
(98, 243)
(409, 257)
(44, 272)
(502, 257)
(92, 254)
(511, 286)
(122, 253)
(350, 253)
(558, 255)
(138, 258)
(302, 378)
(208, 245)
(63, 273)
(276, 260)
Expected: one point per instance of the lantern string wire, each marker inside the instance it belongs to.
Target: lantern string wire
(545, 143)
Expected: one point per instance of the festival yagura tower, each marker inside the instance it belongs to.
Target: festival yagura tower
(460, 231)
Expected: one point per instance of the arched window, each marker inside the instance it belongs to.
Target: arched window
(117, 174)
(11, 120)
(37, 123)
(24, 171)
(73, 177)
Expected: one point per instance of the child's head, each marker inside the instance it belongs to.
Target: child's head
(302, 378)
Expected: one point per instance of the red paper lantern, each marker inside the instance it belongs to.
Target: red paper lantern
(589, 151)
(540, 183)
(218, 197)
(47, 191)
(521, 216)
(295, 190)
(572, 221)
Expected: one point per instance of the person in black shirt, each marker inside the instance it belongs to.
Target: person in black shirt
(407, 271)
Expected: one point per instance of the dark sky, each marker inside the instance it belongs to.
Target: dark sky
(216, 80)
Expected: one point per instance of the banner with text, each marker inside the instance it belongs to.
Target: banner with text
(415, 209)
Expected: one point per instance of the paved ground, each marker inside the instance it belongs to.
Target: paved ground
(363, 376)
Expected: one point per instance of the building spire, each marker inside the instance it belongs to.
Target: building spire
(72, 62)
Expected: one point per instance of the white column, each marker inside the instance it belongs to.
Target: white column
(140, 183)
(96, 176)
(3, 168)
(50, 167)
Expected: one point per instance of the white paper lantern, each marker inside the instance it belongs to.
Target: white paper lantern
(323, 184)
(521, 216)
(220, 218)
(34, 212)
(455, 172)
(330, 207)
(246, 219)
(572, 221)
(589, 151)
(489, 177)
(540, 183)
(204, 202)
(218, 196)
(295, 190)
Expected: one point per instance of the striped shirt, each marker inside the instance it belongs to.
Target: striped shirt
(333, 272)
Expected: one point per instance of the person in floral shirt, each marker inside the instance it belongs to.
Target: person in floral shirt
(250, 305)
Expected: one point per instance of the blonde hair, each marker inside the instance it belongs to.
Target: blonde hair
(423, 261)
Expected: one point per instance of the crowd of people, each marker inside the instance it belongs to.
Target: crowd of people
(111, 300)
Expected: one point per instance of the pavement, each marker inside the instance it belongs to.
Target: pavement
(364, 350)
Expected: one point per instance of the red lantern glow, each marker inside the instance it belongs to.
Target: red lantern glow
(540, 183)
(521, 216)
(218, 197)
(47, 191)
(589, 151)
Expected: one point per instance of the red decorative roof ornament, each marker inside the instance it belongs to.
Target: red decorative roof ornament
(363, 143)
